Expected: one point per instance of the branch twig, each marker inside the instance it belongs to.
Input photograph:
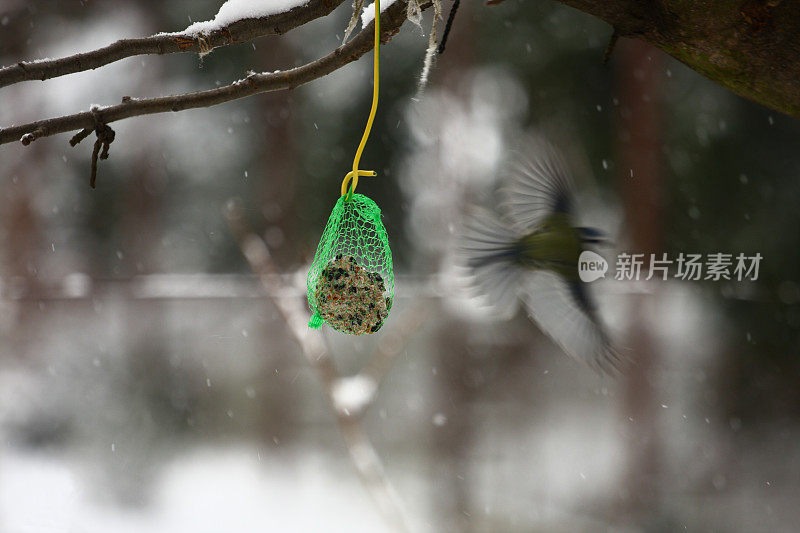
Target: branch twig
(237, 32)
(365, 459)
(448, 26)
(391, 20)
(612, 43)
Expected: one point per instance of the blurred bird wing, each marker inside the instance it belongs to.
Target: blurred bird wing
(565, 312)
(537, 184)
(485, 247)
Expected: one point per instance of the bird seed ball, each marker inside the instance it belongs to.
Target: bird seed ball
(350, 298)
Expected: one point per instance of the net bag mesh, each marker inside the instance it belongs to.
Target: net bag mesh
(351, 281)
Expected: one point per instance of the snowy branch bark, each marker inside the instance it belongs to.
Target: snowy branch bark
(391, 20)
(237, 32)
(752, 47)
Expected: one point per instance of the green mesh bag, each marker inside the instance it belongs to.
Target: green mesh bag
(351, 281)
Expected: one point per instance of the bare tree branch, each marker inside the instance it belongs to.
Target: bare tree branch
(365, 459)
(391, 20)
(408, 323)
(751, 47)
(170, 43)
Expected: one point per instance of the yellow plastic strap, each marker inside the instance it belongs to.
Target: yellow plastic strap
(355, 173)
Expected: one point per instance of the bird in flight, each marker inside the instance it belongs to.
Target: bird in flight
(529, 251)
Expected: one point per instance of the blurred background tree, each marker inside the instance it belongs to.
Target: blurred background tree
(147, 382)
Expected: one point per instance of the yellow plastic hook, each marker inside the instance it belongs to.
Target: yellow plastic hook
(351, 175)
(355, 173)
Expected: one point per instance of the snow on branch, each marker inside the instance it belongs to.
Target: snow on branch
(236, 10)
(368, 13)
(254, 83)
(238, 21)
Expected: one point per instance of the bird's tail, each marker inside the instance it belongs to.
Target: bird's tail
(487, 248)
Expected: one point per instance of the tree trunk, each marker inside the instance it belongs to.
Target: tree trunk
(639, 130)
